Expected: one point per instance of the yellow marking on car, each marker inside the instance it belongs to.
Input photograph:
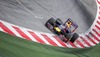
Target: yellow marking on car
(57, 29)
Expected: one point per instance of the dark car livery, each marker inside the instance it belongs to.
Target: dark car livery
(65, 31)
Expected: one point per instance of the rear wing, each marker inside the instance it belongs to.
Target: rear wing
(73, 24)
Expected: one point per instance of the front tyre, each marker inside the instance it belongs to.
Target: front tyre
(74, 37)
(51, 21)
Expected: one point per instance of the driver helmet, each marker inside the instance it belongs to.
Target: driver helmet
(68, 24)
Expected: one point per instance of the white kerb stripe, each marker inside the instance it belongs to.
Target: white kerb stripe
(88, 41)
(12, 29)
(77, 44)
(96, 34)
(28, 34)
(68, 45)
(82, 41)
(39, 35)
(2, 29)
(97, 28)
(98, 18)
(53, 39)
(93, 38)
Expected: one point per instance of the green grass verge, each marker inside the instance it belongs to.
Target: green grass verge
(11, 46)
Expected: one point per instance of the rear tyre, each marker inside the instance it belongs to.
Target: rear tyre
(69, 35)
(51, 21)
(58, 21)
(74, 37)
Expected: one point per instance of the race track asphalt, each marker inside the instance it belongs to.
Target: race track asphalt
(33, 14)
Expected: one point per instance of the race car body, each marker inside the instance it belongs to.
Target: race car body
(65, 31)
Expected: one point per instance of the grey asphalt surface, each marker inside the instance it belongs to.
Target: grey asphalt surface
(33, 14)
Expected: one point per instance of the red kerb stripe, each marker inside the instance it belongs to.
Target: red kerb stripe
(36, 37)
(90, 39)
(99, 16)
(86, 41)
(49, 40)
(72, 44)
(62, 43)
(6, 29)
(96, 32)
(94, 36)
(21, 33)
(80, 43)
(99, 12)
(98, 1)
(97, 27)
(98, 22)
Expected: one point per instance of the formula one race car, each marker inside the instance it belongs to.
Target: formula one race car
(65, 31)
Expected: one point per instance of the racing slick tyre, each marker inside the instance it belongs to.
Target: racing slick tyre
(74, 37)
(68, 36)
(59, 21)
(51, 21)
